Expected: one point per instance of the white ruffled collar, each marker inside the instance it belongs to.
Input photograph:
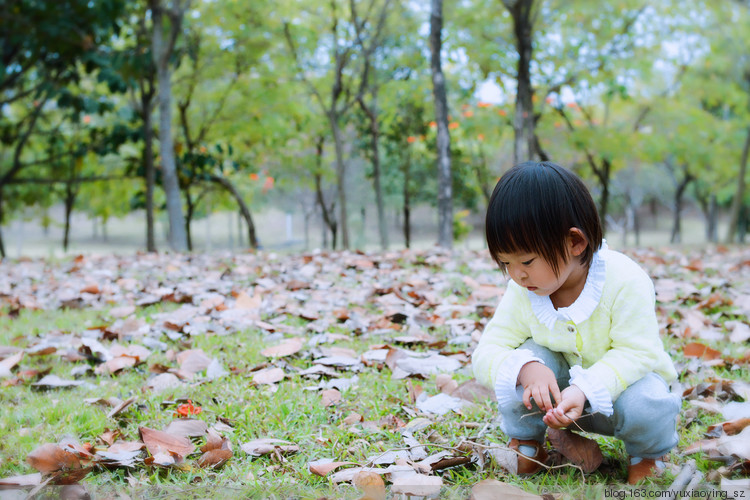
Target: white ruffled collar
(580, 310)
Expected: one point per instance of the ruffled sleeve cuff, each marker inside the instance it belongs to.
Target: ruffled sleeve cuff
(507, 376)
(597, 395)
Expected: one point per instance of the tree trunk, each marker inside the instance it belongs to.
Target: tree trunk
(687, 178)
(523, 122)
(2, 217)
(739, 194)
(244, 209)
(162, 51)
(371, 113)
(189, 219)
(327, 213)
(148, 164)
(407, 199)
(712, 235)
(340, 180)
(603, 173)
(445, 187)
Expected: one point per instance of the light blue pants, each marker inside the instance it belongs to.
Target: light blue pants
(645, 414)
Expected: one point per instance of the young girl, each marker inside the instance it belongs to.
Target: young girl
(576, 331)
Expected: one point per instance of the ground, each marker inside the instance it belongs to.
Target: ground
(272, 375)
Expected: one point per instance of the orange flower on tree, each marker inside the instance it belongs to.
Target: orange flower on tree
(254, 176)
(433, 124)
(268, 183)
(483, 104)
(572, 105)
(480, 137)
(411, 139)
(468, 114)
(453, 125)
(501, 112)
(86, 119)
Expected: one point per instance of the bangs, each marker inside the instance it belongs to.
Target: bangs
(533, 208)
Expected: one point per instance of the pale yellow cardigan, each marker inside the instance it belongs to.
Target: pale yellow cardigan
(609, 336)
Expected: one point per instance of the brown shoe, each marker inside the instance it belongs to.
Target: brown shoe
(643, 468)
(529, 464)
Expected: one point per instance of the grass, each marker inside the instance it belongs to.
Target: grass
(288, 411)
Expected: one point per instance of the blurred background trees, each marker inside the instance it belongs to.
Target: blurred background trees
(178, 110)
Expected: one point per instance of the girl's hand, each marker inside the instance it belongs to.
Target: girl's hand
(538, 382)
(569, 409)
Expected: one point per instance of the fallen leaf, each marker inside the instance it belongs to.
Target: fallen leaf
(371, 485)
(193, 361)
(166, 449)
(50, 458)
(731, 427)
(330, 397)
(492, 489)
(25, 481)
(265, 446)
(698, 350)
(268, 376)
(445, 383)
(9, 363)
(286, 348)
(53, 382)
(473, 392)
(353, 418)
(439, 404)
(187, 428)
(418, 485)
(737, 445)
(582, 451)
(325, 466)
(216, 452)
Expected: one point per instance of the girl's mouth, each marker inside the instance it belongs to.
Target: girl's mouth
(531, 288)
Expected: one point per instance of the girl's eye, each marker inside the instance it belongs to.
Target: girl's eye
(528, 262)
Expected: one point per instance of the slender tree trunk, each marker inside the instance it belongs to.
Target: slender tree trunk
(523, 122)
(338, 143)
(739, 194)
(189, 219)
(2, 219)
(407, 199)
(70, 198)
(371, 112)
(603, 174)
(244, 209)
(148, 164)
(327, 213)
(712, 235)
(678, 196)
(162, 50)
(445, 180)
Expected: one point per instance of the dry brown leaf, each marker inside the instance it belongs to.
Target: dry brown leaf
(737, 445)
(445, 383)
(187, 428)
(9, 363)
(473, 392)
(325, 466)
(120, 407)
(731, 427)
(165, 449)
(704, 445)
(330, 397)
(353, 418)
(50, 458)
(371, 485)
(115, 365)
(582, 451)
(698, 350)
(418, 485)
(492, 489)
(216, 452)
(193, 361)
(244, 301)
(258, 447)
(268, 376)
(25, 481)
(286, 348)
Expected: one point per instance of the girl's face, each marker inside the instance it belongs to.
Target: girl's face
(532, 272)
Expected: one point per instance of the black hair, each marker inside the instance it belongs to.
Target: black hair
(532, 209)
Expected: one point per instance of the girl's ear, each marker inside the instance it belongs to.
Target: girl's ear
(577, 242)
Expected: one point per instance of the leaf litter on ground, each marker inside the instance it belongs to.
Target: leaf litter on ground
(421, 312)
